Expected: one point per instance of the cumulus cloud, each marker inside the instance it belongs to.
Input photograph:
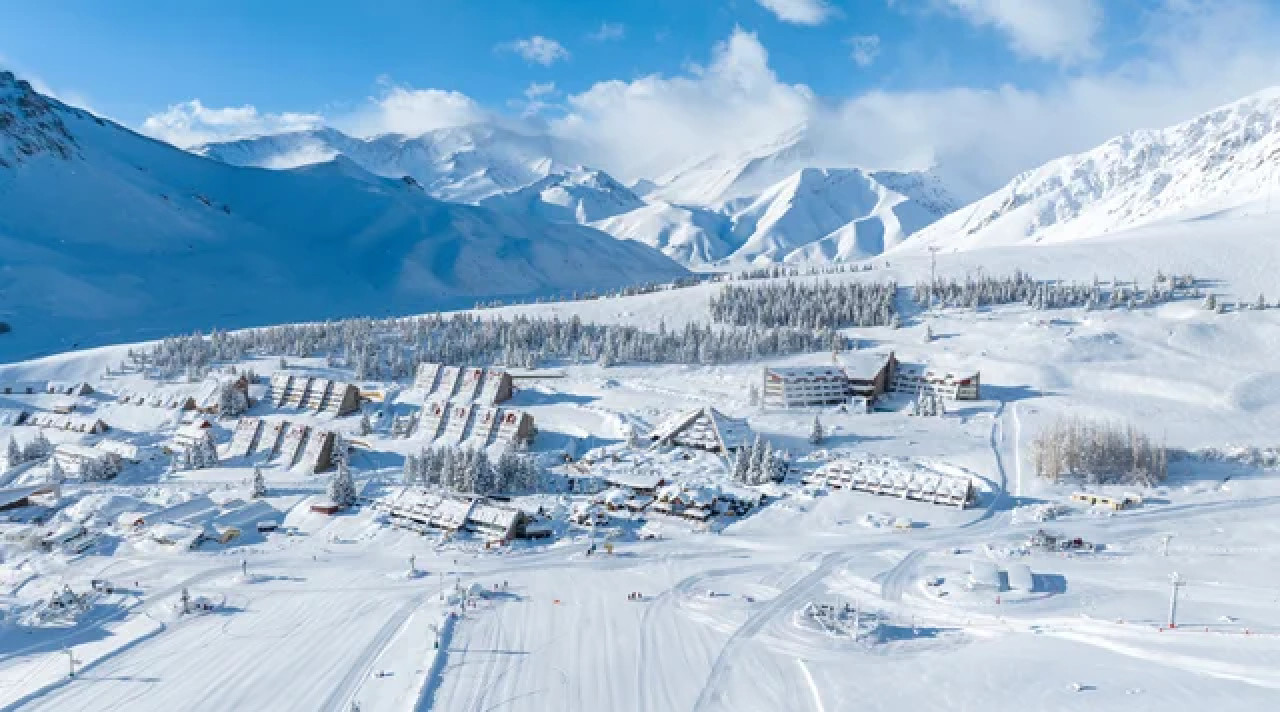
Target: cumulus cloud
(412, 112)
(191, 123)
(1053, 30)
(863, 49)
(608, 31)
(735, 100)
(538, 49)
(799, 12)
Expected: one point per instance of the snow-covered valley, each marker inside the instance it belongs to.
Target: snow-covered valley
(820, 597)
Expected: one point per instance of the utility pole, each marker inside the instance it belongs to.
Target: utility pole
(1164, 549)
(1176, 583)
(71, 660)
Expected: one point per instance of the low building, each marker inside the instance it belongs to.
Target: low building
(68, 388)
(888, 479)
(18, 497)
(190, 436)
(1115, 504)
(326, 506)
(705, 429)
(914, 379)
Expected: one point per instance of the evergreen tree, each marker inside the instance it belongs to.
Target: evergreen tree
(342, 488)
(742, 465)
(816, 434)
(259, 487)
(756, 465)
(365, 426)
(410, 474)
(1211, 302)
(56, 473)
(768, 466)
(13, 456)
(37, 448)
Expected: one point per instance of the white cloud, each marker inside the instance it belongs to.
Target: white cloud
(412, 112)
(191, 123)
(539, 49)
(538, 97)
(1053, 30)
(863, 49)
(735, 100)
(608, 31)
(800, 12)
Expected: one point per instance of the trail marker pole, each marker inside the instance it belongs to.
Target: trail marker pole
(1176, 583)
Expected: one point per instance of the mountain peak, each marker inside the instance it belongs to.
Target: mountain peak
(30, 123)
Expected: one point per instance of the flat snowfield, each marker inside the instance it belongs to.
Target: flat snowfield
(823, 599)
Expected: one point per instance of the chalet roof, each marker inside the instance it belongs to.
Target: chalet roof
(15, 494)
(704, 427)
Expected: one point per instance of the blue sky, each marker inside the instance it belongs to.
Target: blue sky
(894, 83)
(131, 58)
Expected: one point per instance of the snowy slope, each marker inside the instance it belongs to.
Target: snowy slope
(1224, 160)
(461, 164)
(109, 236)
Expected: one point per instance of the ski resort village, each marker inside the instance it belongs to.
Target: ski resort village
(708, 389)
(580, 502)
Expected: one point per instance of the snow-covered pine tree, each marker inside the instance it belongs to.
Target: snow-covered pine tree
(13, 455)
(1211, 302)
(231, 400)
(484, 480)
(37, 448)
(258, 489)
(56, 474)
(928, 334)
(449, 478)
(756, 463)
(342, 488)
(768, 466)
(816, 434)
(210, 452)
(1261, 303)
(410, 473)
(365, 426)
(742, 465)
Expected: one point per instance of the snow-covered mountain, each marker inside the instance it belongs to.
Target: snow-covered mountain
(577, 195)
(464, 164)
(107, 235)
(717, 178)
(1226, 160)
(768, 203)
